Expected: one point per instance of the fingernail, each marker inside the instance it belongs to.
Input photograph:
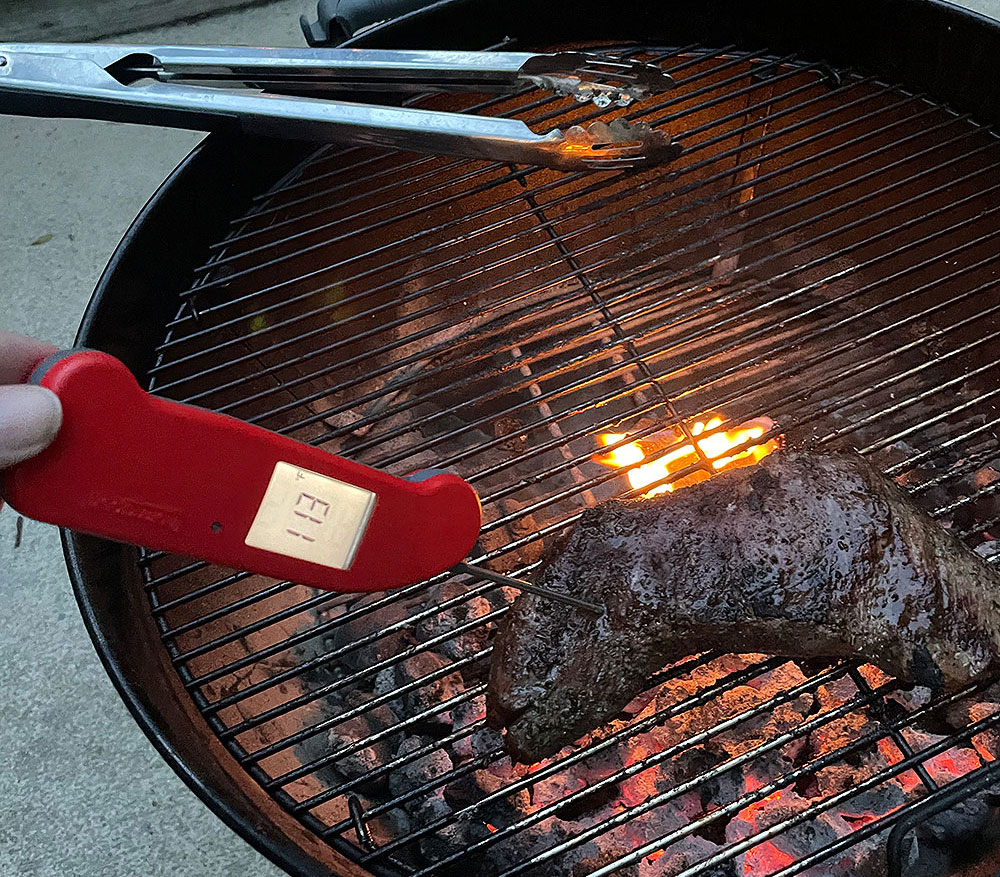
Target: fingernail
(30, 417)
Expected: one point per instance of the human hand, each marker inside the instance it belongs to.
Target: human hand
(30, 416)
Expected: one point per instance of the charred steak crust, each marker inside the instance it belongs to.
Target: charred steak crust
(805, 555)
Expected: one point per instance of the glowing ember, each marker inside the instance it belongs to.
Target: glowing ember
(873, 676)
(953, 763)
(766, 858)
(983, 752)
(887, 749)
(715, 446)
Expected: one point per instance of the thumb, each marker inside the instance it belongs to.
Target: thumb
(30, 417)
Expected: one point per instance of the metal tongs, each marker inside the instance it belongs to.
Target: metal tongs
(286, 92)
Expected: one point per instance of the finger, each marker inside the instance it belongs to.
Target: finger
(30, 417)
(19, 355)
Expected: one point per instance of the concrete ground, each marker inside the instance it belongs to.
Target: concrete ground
(81, 790)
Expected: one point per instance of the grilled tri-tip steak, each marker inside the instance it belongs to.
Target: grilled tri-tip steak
(805, 554)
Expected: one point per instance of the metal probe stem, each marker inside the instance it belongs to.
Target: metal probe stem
(522, 585)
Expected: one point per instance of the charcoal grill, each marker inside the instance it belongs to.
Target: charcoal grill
(824, 254)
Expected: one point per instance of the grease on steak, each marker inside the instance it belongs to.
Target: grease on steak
(805, 555)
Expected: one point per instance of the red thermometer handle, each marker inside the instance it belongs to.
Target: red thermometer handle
(148, 471)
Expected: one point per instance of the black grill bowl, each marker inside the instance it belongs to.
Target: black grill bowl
(921, 48)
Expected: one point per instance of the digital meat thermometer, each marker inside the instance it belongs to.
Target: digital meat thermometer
(149, 471)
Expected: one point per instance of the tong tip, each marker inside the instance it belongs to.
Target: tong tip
(619, 144)
(591, 78)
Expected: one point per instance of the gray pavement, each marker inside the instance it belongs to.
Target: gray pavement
(81, 790)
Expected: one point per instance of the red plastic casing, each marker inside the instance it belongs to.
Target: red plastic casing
(136, 468)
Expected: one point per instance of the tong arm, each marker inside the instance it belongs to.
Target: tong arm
(583, 75)
(132, 84)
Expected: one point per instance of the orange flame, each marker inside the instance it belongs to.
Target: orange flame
(715, 447)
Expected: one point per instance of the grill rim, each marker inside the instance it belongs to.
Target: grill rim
(99, 570)
(145, 289)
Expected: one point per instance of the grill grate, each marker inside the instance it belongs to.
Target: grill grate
(824, 254)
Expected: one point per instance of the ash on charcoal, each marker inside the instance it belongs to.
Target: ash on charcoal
(709, 794)
(793, 843)
(765, 769)
(598, 851)
(500, 856)
(445, 840)
(714, 792)
(863, 859)
(675, 812)
(704, 675)
(764, 728)
(833, 694)
(747, 734)
(837, 777)
(841, 731)
(576, 778)
(389, 825)
(989, 550)
(385, 683)
(430, 694)
(911, 699)
(358, 763)
(974, 817)
(413, 773)
(589, 863)
(535, 839)
(760, 815)
(652, 825)
(447, 620)
(605, 762)
(556, 787)
(961, 715)
(844, 773)
(954, 839)
(473, 787)
(481, 742)
(363, 657)
(778, 680)
(882, 799)
(430, 807)
(682, 854)
(945, 766)
(502, 596)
